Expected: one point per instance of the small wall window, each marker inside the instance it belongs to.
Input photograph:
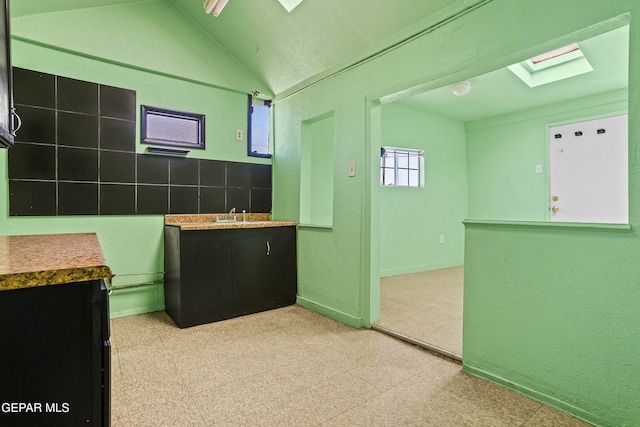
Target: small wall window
(259, 127)
(401, 167)
(167, 127)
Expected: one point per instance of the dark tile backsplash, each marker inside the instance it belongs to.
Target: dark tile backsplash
(75, 155)
(116, 199)
(77, 164)
(117, 134)
(34, 88)
(32, 197)
(38, 125)
(183, 171)
(77, 198)
(33, 161)
(117, 103)
(78, 96)
(77, 130)
(117, 167)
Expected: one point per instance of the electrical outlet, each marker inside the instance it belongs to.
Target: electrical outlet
(239, 134)
(441, 238)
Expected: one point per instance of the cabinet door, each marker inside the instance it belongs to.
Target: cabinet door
(6, 89)
(205, 284)
(264, 269)
(251, 270)
(51, 355)
(283, 275)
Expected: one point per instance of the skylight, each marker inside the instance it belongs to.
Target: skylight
(549, 67)
(290, 4)
(555, 53)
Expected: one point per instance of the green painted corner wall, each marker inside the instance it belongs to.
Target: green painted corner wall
(559, 320)
(503, 152)
(132, 245)
(544, 309)
(413, 219)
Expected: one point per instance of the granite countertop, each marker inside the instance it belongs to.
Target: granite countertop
(208, 221)
(50, 259)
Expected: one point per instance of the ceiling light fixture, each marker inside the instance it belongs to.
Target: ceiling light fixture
(214, 6)
(461, 89)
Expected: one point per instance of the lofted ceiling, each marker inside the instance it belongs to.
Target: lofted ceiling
(281, 48)
(284, 49)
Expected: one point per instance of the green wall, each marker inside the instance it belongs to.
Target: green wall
(503, 152)
(316, 166)
(545, 307)
(81, 44)
(413, 219)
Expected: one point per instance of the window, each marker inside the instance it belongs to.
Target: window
(166, 127)
(259, 124)
(401, 167)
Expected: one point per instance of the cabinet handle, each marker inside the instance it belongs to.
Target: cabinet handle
(13, 111)
(268, 248)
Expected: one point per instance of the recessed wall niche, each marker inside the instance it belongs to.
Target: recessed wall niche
(75, 155)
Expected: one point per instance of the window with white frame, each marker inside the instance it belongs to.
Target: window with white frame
(401, 167)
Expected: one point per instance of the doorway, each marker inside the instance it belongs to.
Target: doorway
(494, 137)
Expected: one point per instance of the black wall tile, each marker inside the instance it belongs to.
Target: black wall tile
(238, 175)
(152, 199)
(117, 134)
(77, 198)
(260, 176)
(32, 161)
(117, 199)
(77, 96)
(77, 164)
(77, 130)
(238, 198)
(97, 169)
(117, 102)
(117, 167)
(38, 125)
(33, 88)
(183, 171)
(152, 169)
(183, 200)
(212, 173)
(260, 200)
(212, 200)
(32, 198)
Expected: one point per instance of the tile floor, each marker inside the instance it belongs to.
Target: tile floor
(294, 367)
(426, 306)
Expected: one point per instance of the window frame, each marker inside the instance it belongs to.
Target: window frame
(396, 168)
(147, 110)
(267, 103)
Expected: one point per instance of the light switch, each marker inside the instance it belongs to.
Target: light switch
(538, 168)
(239, 134)
(352, 169)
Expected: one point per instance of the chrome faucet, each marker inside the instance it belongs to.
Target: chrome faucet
(232, 211)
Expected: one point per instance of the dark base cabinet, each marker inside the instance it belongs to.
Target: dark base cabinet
(55, 355)
(212, 275)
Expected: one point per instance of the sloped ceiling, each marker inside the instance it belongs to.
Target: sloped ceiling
(283, 49)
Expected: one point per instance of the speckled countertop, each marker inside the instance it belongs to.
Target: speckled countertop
(50, 259)
(208, 221)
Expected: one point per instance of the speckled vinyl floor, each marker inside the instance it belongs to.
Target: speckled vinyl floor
(293, 367)
(426, 306)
